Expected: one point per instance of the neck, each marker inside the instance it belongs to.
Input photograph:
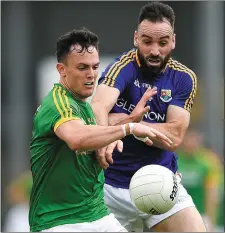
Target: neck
(75, 95)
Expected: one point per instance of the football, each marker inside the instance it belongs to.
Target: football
(154, 189)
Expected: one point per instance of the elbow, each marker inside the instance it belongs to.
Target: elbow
(75, 145)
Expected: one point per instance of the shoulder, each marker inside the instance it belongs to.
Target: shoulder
(127, 56)
(183, 78)
(58, 101)
(121, 71)
(123, 61)
(179, 70)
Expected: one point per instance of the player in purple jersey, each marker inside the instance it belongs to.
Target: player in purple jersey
(117, 100)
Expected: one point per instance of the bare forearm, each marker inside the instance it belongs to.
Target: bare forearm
(119, 118)
(94, 137)
(171, 130)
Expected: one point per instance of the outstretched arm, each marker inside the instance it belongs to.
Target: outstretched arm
(174, 128)
(80, 137)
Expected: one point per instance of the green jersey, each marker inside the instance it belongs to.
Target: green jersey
(67, 185)
(199, 173)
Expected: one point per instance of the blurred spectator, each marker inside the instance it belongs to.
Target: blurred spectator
(202, 176)
(18, 193)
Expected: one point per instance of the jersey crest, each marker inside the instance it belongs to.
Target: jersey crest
(166, 95)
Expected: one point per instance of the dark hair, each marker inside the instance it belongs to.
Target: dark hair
(156, 12)
(82, 37)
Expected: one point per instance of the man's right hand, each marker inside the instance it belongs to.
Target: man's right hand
(141, 108)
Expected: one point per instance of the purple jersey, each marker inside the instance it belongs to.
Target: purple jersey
(176, 85)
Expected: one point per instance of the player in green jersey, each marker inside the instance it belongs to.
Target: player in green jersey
(201, 176)
(67, 192)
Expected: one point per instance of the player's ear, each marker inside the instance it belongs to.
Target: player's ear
(61, 69)
(174, 41)
(135, 39)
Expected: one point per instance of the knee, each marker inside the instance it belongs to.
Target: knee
(186, 220)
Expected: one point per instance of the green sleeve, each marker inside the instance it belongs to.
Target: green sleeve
(63, 110)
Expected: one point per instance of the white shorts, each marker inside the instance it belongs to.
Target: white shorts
(106, 224)
(119, 202)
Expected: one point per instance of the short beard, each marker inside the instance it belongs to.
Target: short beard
(152, 71)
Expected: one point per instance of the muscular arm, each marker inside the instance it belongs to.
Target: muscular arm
(177, 121)
(89, 137)
(80, 137)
